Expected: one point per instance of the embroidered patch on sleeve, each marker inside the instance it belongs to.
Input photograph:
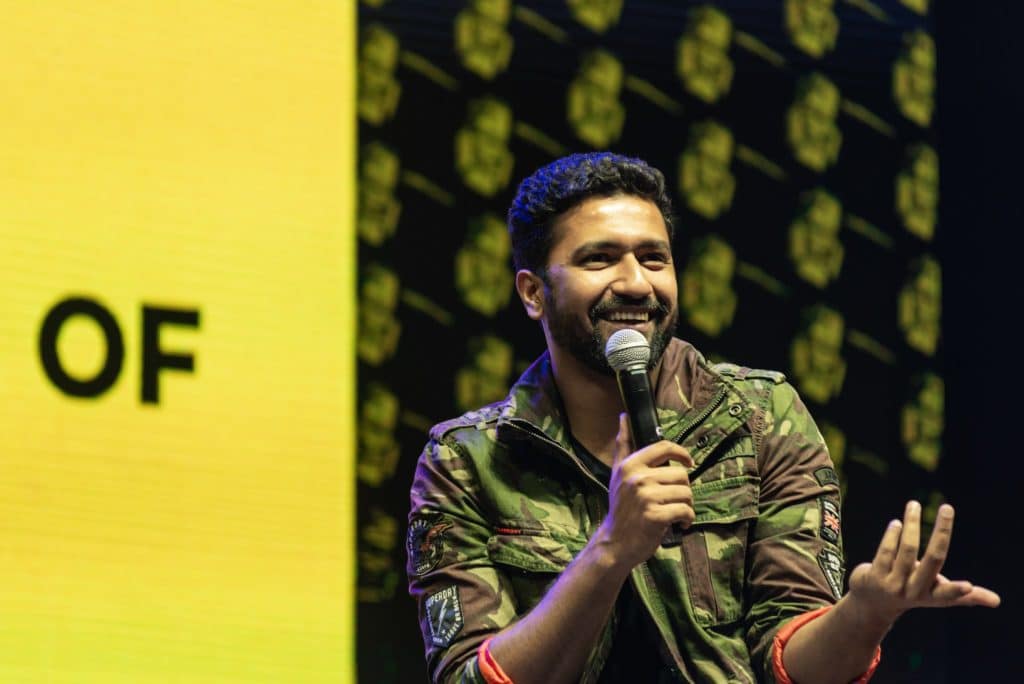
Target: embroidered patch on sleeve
(444, 614)
(832, 565)
(830, 525)
(826, 476)
(425, 543)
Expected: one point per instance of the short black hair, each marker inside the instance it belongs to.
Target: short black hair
(554, 189)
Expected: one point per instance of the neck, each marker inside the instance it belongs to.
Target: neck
(592, 403)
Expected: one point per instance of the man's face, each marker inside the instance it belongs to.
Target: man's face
(610, 268)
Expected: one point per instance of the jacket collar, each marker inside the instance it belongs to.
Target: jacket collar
(687, 392)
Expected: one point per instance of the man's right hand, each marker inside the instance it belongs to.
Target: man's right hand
(644, 498)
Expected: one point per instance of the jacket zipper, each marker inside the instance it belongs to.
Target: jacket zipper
(702, 416)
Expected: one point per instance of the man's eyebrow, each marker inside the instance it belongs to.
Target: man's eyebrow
(599, 245)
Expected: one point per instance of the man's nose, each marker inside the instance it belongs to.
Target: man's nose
(631, 279)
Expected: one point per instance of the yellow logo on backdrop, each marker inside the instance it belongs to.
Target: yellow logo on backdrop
(702, 54)
(483, 276)
(596, 15)
(484, 377)
(482, 154)
(919, 6)
(835, 440)
(153, 357)
(592, 101)
(704, 176)
(379, 208)
(920, 305)
(482, 39)
(816, 354)
(378, 575)
(917, 191)
(923, 421)
(811, 122)
(379, 90)
(706, 293)
(814, 246)
(378, 447)
(379, 328)
(812, 25)
(913, 78)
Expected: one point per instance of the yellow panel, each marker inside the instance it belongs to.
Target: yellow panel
(193, 156)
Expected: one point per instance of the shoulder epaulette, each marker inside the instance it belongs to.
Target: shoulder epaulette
(477, 419)
(733, 370)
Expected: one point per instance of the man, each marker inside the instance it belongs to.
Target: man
(535, 533)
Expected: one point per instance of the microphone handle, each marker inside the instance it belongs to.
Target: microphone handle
(635, 388)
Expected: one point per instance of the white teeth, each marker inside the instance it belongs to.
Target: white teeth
(627, 316)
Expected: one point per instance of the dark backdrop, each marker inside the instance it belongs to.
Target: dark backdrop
(980, 137)
(438, 332)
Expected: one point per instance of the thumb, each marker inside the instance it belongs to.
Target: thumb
(623, 441)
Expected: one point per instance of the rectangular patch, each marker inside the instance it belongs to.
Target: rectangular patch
(830, 521)
(444, 614)
(826, 476)
(832, 566)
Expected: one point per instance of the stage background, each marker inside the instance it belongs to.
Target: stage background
(177, 201)
(182, 173)
(801, 142)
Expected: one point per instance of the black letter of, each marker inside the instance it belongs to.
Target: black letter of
(153, 359)
(52, 324)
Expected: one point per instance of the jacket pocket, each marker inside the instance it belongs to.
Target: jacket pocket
(531, 560)
(715, 547)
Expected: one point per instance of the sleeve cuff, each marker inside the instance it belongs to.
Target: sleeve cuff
(790, 628)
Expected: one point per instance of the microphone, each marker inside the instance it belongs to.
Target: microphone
(628, 353)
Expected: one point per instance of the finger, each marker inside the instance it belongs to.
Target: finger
(910, 537)
(980, 596)
(673, 513)
(886, 553)
(669, 475)
(966, 594)
(661, 453)
(945, 591)
(669, 494)
(935, 554)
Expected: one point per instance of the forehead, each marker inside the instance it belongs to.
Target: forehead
(624, 219)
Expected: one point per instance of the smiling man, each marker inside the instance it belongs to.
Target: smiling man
(535, 532)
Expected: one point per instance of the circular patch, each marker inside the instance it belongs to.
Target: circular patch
(425, 543)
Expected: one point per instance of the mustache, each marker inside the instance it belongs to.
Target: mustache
(656, 308)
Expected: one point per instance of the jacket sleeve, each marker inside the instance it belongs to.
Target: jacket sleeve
(462, 597)
(796, 559)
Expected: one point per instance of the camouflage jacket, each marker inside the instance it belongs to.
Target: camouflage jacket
(501, 505)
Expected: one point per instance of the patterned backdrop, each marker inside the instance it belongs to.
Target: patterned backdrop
(798, 137)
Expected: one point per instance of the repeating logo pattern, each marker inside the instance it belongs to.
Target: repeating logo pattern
(797, 139)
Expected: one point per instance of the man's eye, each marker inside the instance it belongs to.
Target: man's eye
(657, 258)
(597, 259)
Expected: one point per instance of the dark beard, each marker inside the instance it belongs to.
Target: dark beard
(588, 347)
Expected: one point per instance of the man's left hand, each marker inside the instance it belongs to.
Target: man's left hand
(896, 580)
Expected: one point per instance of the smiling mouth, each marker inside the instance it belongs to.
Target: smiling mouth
(621, 311)
(627, 316)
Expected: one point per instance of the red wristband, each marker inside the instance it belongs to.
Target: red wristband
(790, 628)
(489, 668)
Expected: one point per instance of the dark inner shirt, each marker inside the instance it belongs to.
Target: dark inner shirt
(634, 656)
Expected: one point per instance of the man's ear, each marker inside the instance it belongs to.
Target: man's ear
(531, 291)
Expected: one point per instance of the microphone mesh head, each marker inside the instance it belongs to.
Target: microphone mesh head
(627, 348)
